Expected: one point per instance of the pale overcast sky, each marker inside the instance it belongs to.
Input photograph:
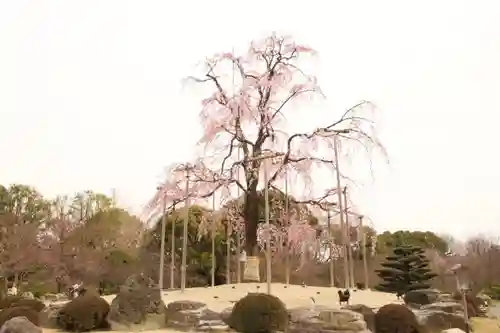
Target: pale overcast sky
(91, 94)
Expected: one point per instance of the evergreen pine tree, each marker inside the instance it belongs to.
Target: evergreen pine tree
(407, 268)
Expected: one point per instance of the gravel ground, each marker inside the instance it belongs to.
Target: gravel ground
(494, 310)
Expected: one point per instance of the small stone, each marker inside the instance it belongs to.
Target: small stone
(28, 294)
(421, 296)
(324, 319)
(20, 325)
(453, 330)
(139, 301)
(449, 307)
(185, 305)
(437, 320)
(48, 316)
(226, 314)
(194, 316)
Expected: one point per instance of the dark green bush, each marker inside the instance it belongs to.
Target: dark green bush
(83, 314)
(29, 303)
(259, 313)
(20, 311)
(396, 318)
(7, 301)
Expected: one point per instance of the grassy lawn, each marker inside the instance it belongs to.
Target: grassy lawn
(485, 325)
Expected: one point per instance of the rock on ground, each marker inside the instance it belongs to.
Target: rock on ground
(453, 330)
(194, 316)
(445, 297)
(226, 314)
(139, 302)
(20, 325)
(448, 307)
(48, 316)
(436, 320)
(367, 313)
(28, 294)
(438, 311)
(326, 320)
(55, 297)
(484, 304)
(421, 297)
(485, 298)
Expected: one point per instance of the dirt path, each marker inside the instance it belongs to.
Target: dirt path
(494, 310)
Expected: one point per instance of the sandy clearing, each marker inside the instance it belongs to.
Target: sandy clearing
(221, 297)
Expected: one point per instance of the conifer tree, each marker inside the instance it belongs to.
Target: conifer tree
(407, 268)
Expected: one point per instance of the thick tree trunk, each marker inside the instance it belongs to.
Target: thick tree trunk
(251, 213)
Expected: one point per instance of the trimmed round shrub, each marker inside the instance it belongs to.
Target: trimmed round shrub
(6, 302)
(396, 318)
(20, 311)
(29, 303)
(259, 313)
(83, 314)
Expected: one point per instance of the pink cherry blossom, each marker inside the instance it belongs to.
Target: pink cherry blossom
(244, 130)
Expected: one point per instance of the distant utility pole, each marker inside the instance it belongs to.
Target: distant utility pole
(341, 210)
(287, 225)
(172, 249)
(348, 243)
(331, 263)
(185, 233)
(363, 251)
(162, 241)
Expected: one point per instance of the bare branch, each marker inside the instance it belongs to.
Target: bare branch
(246, 114)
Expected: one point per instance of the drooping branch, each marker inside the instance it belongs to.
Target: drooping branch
(349, 127)
(245, 116)
(269, 80)
(202, 183)
(235, 112)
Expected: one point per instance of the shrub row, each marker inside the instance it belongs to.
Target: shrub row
(16, 306)
(85, 313)
(263, 313)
